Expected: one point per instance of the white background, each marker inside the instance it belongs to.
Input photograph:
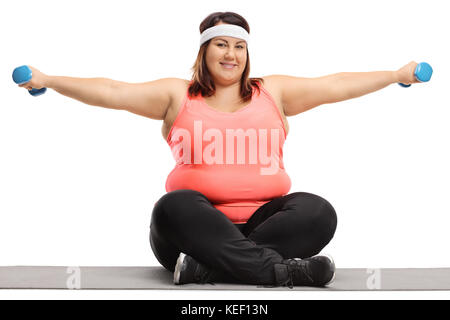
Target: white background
(78, 183)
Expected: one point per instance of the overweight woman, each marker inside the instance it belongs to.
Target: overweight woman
(228, 215)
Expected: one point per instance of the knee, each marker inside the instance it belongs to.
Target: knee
(320, 213)
(174, 203)
(327, 221)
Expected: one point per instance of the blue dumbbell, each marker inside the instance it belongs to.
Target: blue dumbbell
(23, 75)
(422, 73)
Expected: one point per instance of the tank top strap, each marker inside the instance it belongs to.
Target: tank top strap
(272, 102)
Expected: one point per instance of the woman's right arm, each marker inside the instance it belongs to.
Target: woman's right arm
(150, 99)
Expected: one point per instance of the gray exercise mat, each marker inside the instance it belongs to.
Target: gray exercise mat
(157, 278)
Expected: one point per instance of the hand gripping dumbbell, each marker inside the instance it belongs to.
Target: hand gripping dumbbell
(422, 73)
(23, 75)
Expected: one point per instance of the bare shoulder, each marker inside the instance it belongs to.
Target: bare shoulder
(272, 83)
(176, 87)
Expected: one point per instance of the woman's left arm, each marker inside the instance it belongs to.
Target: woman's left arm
(301, 94)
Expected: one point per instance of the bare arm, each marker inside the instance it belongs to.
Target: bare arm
(92, 91)
(150, 99)
(301, 94)
(349, 85)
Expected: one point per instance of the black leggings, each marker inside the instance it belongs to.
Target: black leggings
(297, 225)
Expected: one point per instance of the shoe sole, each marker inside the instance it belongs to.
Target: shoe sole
(177, 273)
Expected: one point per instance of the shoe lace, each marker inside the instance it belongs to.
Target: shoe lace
(297, 269)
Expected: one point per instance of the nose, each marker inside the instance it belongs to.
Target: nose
(230, 53)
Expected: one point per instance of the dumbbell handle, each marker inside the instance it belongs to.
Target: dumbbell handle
(23, 75)
(422, 73)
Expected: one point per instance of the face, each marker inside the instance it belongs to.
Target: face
(226, 50)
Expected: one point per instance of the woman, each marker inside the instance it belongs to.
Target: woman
(227, 215)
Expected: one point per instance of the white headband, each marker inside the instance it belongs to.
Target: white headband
(230, 30)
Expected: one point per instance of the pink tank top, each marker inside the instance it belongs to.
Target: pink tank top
(234, 159)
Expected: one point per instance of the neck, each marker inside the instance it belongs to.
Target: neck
(227, 93)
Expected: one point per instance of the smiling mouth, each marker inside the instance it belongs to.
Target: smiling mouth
(228, 66)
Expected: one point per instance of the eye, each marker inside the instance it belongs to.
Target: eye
(222, 44)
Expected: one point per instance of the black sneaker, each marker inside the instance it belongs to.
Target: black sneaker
(187, 270)
(317, 271)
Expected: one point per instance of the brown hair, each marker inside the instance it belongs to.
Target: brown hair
(201, 78)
